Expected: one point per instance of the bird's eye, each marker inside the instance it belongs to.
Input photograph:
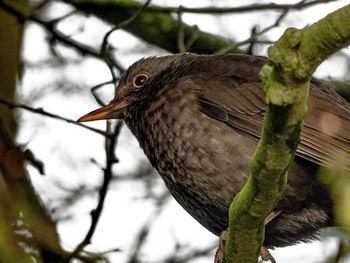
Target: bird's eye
(139, 80)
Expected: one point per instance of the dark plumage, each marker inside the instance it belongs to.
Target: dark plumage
(198, 119)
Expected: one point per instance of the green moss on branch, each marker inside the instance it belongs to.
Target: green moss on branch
(160, 29)
(286, 85)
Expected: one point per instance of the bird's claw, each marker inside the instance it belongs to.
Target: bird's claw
(264, 252)
(219, 255)
(266, 255)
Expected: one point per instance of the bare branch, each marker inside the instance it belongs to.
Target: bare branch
(254, 35)
(52, 115)
(105, 54)
(144, 231)
(98, 86)
(180, 33)
(96, 213)
(192, 254)
(50, 27)
(241, 9)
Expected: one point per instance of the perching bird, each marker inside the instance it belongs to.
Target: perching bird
(198, 119)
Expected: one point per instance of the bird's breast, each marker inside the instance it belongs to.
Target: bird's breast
(191, 151)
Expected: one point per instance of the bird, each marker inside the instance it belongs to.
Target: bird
(198, 119)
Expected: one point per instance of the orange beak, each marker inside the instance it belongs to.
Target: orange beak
(114, 110)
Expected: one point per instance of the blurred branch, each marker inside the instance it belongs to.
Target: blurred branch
(105, 54)
(110, 144)
(24, 201)
(166, 35)
(341, 254)
(191, 255)
(167, 27)
(183, 45)
(98, 86)
(50, 27)
(241, 9)
(51, 63)
(19, 204)
(180, 34)
(145, 229)
(51, 115)
(337, 181)
(9, 241)
(254, 35)
(156, 28)
(11, 32)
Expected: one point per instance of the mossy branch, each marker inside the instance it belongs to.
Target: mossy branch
(160, 29)
(286, 85)
(10, 43)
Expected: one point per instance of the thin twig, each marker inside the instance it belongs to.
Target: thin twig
(98, 86)
(104, 51)
(107, 176)
(52, 115)
(193, 254)
(63, 17)
(180, 33)
(240, 9)
(56, 34)
(194, 36)
(145, 229)
(253, 32)
(253, 37)
(110, 144)
(121, 25)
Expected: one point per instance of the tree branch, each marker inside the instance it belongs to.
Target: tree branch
(156, 25)
(107, 176)
(254, 35)
(24, 201)
(286, 85)
(232, 10)
(52, 115)
(156, 28)
(50, 27)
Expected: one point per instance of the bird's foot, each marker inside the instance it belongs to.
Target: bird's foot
(264, 252)
(219, 255)
(266, 255)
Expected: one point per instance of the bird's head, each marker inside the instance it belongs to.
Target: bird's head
(142, 79)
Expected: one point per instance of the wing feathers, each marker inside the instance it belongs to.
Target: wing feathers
(326, 132)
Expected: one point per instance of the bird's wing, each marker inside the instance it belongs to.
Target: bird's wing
(241, 105)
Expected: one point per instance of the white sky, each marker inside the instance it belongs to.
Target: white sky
(67, 149)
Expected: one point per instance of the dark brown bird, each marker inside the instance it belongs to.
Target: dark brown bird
(198, 119)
